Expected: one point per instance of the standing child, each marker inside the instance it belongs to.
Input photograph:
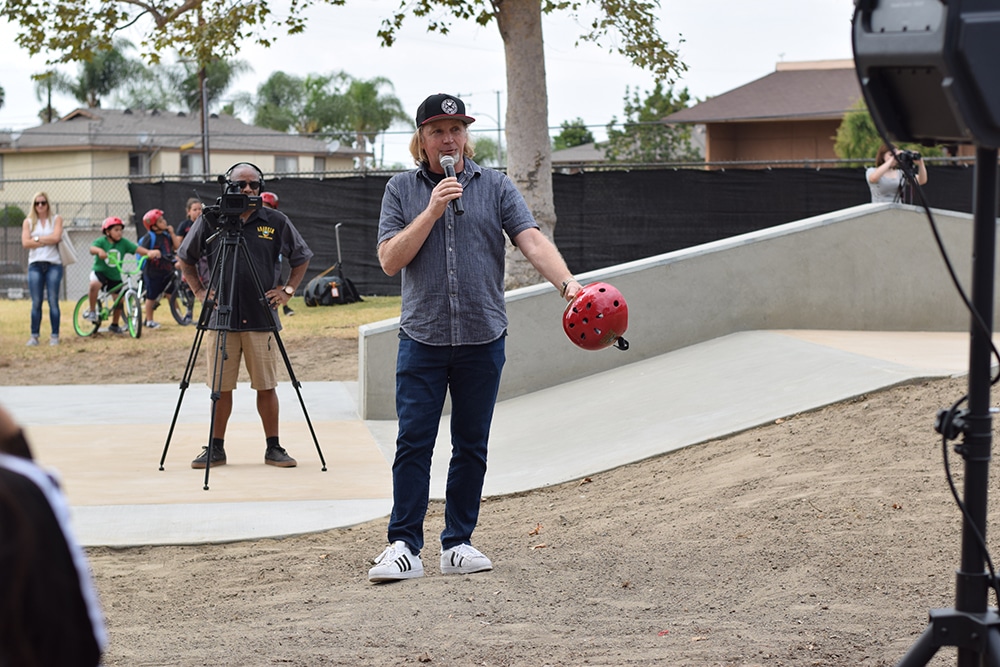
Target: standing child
(106, 274)
(157, 273)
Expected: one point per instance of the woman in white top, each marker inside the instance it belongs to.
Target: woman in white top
(885, 178)
(40, 234)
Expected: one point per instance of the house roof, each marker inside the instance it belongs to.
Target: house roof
(129, 129)
(584, 153)
(818, 90)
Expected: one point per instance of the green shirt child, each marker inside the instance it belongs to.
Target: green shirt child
(123, 245)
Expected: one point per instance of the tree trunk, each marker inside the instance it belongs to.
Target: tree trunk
(529, 155)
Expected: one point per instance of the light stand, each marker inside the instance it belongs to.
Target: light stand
(927, 71)
(970, 625)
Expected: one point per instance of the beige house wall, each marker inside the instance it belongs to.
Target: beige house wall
(770, 141)
(87, 185)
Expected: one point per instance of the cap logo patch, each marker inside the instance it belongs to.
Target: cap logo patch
(449, 106)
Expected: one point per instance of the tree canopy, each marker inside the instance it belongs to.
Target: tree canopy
(332, 106)
(573, 133)
(644, 137)
(199, 30)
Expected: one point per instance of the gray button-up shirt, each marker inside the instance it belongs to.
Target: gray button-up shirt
(453, 289)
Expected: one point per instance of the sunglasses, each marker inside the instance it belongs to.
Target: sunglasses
(41, 203)
(254, 185)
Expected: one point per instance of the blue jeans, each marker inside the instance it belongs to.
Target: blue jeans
(44, 277)
(424, 374)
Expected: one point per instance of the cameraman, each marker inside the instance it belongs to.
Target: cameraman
(885, 179)
(266, 234)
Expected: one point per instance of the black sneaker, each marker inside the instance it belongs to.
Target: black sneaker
(115, 329)
(218, 458)
(277, 456)
(287, 310)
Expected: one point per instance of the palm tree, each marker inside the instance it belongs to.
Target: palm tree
(314, 105)
(43, 93)
(219, 75)
(369, 111)
(98, 77)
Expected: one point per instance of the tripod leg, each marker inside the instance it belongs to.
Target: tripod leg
(219, 361)
(922, 651)
(298, 392)
(185, 383)
(992, 657)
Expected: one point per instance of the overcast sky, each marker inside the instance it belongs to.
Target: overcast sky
(726, 43)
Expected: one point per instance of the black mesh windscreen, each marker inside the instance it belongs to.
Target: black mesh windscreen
(604, 217)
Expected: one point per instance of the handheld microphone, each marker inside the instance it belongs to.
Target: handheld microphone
(448, 163)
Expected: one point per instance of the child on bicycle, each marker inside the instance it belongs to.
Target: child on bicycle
(108, 275)
(157, 272)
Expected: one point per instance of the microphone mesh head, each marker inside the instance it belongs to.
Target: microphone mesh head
(447, 161)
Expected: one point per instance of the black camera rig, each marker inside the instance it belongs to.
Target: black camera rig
(907, 158)
(230, 206)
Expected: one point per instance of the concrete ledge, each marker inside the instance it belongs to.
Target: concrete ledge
(874, 267)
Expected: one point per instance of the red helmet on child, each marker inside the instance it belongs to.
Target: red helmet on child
(597, 318)
(152, 215)
(270, 199)
(111, 222)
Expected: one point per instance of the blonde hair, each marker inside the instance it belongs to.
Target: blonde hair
(33, 214)
(417, 145)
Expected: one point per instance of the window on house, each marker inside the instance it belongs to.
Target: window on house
(138, 164)
(1, 172)
(285, 164)
(319, 164)
(191, 164)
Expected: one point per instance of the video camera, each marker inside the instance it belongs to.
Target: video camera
(907, 159)
(234, 202)
(231, 205)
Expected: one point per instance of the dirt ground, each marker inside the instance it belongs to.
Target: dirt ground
(821, 539)
(115, 360)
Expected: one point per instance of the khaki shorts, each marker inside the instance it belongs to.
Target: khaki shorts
(258, 349)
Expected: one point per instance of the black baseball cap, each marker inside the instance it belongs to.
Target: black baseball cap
(441, 106)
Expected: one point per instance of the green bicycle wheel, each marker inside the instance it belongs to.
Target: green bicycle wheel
(81, 325)
(133, 313)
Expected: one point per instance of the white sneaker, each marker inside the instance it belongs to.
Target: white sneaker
(150, 324)
(464, 559)
(395, 563)
(90, 316)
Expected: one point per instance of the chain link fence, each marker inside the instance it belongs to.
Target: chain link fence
(83, 203)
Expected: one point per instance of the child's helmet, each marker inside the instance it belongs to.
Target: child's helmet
(152, 215)
(111, 222)
(597, 317)
(270, 199)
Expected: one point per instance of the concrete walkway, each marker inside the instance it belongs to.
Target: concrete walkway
(108, 459)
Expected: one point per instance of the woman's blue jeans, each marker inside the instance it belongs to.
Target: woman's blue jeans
(44, 279)
(424, 374)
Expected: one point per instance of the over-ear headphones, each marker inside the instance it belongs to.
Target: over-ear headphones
(260, 174)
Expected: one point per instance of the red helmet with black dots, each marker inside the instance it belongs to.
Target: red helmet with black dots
(597, 318)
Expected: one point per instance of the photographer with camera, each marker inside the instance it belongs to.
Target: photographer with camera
(886, 180)
(266, 235)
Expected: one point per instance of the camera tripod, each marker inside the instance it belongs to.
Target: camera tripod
(970, 625)
(216, 314)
